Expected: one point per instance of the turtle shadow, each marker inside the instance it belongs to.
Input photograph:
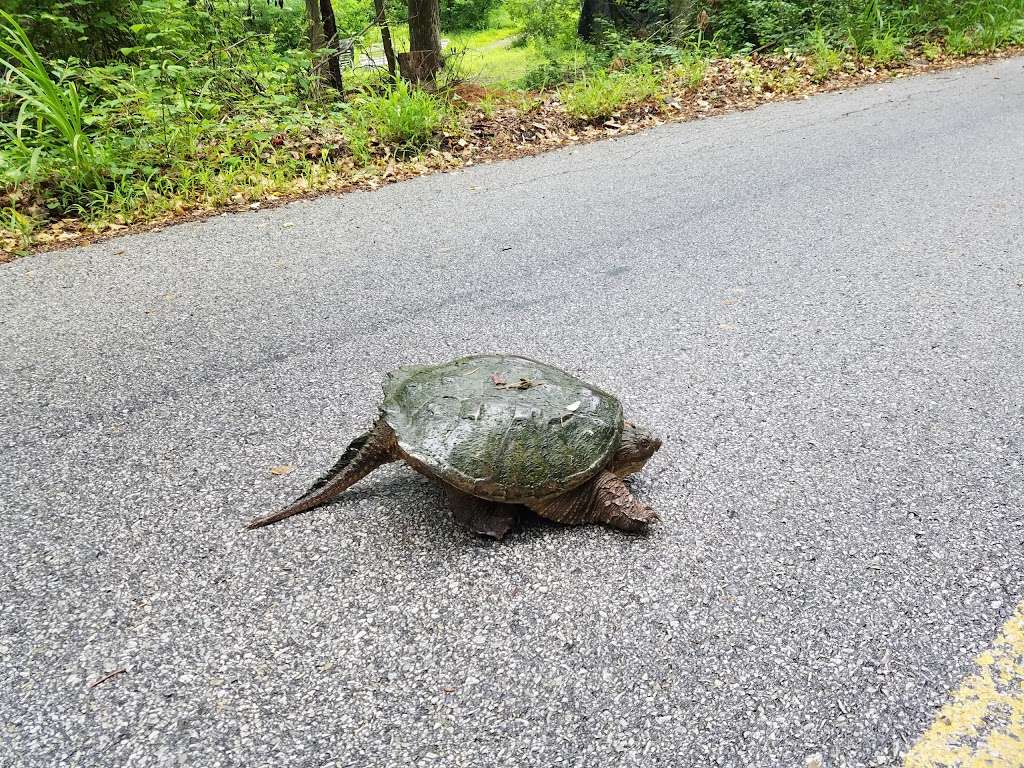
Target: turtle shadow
(409, 505)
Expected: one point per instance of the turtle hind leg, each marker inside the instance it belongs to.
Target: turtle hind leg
(363, 455)
(604, 499)
(482, 517)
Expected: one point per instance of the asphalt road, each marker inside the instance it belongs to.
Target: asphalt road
(819, 305)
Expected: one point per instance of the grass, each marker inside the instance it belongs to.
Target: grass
(825, 60)
(20, 225)
(931, 50)
(600, 94)
(688, 73)
(885, 48)
(497, 65)
(406, 120)
(495, 56)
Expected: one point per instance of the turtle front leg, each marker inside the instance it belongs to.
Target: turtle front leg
(485, 518)
(604, 499)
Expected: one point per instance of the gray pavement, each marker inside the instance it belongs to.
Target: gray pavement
(820, 305)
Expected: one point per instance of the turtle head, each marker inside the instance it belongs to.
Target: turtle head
(637, 446)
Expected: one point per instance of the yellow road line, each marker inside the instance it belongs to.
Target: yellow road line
(983, 725)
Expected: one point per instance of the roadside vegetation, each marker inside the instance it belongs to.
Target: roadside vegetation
(116, 113)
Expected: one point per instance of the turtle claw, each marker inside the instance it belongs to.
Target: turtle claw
(647, 517)
(637, 520)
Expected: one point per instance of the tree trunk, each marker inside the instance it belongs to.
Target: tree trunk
(385, 38)
(591, 12)
(422, 62)
(316, 34)
(332, 43)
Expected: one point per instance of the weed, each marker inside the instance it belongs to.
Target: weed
(824, 59)
(932, 50)
(404, 119)
(688, 72)
(359, 140)
(752, 76)
(885, 48)
(561, 66)
(19, 224)
(487, 106)
(785, 81)
(526, 103)
(601, 93)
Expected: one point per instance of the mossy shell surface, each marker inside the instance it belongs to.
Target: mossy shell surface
(501, 427)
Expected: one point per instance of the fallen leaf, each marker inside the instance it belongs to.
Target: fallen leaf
(281, 469)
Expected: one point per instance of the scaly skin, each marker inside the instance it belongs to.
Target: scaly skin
(364, 454)
(604, 499)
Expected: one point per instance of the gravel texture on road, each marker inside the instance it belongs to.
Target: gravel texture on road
(820, 307)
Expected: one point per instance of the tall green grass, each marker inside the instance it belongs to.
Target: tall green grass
(50, 123)
(407, 120)
(601, 93)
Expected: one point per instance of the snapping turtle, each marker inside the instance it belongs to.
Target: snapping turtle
(497, 431)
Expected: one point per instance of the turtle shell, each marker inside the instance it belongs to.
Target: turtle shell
(501, 427)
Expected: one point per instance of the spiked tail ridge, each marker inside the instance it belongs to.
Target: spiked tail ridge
(363, 455)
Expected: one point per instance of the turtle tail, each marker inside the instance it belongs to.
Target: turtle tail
(363, 455)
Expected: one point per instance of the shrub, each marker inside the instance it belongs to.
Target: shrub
(546, 20)
(352, 16)
(554, 72)
(740, 25)
(91, 30)
(466, 14)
